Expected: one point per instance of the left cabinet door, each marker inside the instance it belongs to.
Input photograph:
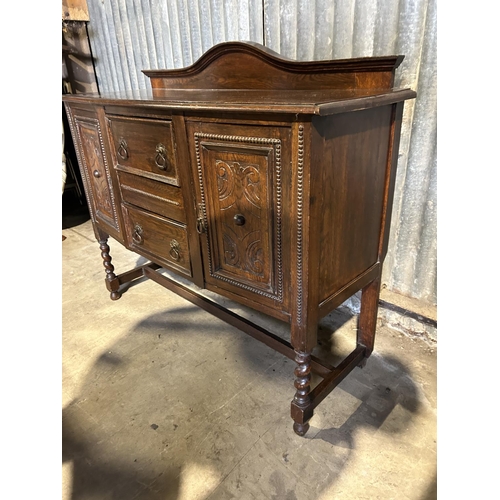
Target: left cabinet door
(98, 178)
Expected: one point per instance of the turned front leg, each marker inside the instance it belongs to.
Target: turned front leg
(301, 412)
(112, 283)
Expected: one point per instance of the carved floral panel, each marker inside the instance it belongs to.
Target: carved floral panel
(96, 173)
(242, 212)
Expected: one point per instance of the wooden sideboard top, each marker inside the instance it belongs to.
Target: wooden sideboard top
(241, 76)
(325, 102)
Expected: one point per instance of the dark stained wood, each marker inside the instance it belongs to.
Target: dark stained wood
(238, 171)
(302, 400)
(367, 321)
(237, 183)
(145, 146)
(159, 197)
(336, 376)
(138, 272)
(187, 180)
(112, 282)
(390, 178)
(305, 241)
(362, 103)
(348, 290)
(236, 65)
(90, 145)
(350, 192)
(163, 239)
(265, 180)
(248, 101)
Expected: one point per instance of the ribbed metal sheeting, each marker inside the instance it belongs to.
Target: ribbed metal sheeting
(130, 35)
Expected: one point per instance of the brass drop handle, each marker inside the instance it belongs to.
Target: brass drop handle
(200, 221)
(175, 250)
(200, 226)
(137, 236)
(97, 174)
(239, 220)
(122, 149)
(161, 156)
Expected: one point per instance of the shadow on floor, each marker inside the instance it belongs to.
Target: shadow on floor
(143, 428)
(431, 492)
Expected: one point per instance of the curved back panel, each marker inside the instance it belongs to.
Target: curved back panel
(238, 65)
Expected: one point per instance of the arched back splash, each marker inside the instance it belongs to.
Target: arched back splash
(249, 65)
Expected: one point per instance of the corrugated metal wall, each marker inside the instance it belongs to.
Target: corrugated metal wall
(130, 35)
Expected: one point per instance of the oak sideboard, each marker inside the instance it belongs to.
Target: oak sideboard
(265, 180)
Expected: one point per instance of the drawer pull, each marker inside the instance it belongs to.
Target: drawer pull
(200, 225)
(122, 149)
(200, 221)
(97, 174)
(137, 236)
(161, 156)
(239, 220)
(175, 250)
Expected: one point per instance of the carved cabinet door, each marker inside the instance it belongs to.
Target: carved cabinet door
(94, 167)
(240, 209)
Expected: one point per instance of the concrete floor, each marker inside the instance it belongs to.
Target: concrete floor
(163, 401)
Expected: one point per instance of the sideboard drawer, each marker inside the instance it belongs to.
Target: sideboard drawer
(144, 146)
(154, 196)
(162, 240)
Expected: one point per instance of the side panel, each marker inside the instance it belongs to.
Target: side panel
(350, 187)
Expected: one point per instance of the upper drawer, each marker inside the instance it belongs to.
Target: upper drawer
(144, 147)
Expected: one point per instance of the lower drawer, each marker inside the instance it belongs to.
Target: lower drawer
(162, 240)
